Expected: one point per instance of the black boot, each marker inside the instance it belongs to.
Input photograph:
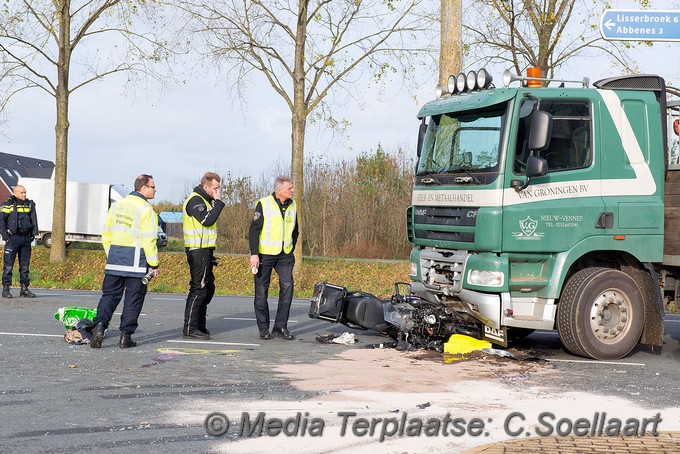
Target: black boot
(126, 340)
(5, 292)
(97, 335)
(25, 292)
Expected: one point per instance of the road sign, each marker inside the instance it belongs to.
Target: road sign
(640, 25)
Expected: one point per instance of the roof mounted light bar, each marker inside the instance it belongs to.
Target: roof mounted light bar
(509, 77)
(473, 80)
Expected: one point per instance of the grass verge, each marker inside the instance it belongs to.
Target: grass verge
(84, 270)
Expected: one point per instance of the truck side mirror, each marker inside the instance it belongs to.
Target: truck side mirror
(536, 167)
(422, 129)
(541, 130)
(539, 140)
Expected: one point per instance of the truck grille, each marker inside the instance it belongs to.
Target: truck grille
(442, 224)
(443, 269)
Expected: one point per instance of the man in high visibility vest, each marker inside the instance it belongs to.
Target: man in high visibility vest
(129, 238)
(18, 227)
(272, 237)
(199, 216)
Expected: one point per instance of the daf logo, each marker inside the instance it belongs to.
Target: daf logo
(492, 331)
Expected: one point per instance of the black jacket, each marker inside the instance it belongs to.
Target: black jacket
(9, 218)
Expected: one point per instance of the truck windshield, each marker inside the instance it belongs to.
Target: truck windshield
(463, 142)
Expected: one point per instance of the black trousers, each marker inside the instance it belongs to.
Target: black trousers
(283, 265)
(112, 292)
(21, 245)
(201, 288)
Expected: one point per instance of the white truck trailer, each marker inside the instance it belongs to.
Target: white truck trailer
(86, 207)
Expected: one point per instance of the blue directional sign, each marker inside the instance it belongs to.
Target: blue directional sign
(640, 25)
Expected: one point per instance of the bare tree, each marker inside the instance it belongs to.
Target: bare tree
(451, 39)
(307, 49)
(38, 43)
(542, 33)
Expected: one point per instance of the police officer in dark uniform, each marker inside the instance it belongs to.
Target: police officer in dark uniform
(200, 212)
(18, 227)
(273, 235)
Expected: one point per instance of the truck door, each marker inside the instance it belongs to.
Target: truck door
(632, 186)
(560, 209)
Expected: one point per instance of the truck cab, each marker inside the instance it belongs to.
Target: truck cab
(543, 207)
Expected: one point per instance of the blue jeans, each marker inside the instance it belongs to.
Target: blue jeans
(283, 265)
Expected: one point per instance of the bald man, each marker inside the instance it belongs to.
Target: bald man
(18, 228)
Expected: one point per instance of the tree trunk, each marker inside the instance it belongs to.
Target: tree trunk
(299, 122)
(58, 251)
(450, 40)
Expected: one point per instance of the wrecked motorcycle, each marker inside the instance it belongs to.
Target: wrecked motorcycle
(412, 321)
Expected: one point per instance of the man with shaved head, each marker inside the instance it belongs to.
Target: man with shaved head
(18, 228)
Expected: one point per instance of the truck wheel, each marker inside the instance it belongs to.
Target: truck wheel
(600, 314)
(47, 240)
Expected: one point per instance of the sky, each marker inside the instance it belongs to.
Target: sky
(178, 134)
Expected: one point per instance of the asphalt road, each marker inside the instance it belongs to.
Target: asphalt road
(58, 397)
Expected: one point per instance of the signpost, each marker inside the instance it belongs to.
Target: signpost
(640, 25)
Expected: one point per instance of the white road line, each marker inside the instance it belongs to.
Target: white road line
(594, 362)
(33, 334)
(213, 343)
(672, 321)
(251, 319)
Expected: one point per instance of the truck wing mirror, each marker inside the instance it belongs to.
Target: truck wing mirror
(422, 129)
(536, 167)
(541, 130)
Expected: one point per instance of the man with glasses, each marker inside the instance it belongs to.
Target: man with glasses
(200, 212)
(129, 239)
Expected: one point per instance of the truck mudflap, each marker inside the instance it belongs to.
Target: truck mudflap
(405, 317)
(496, 335)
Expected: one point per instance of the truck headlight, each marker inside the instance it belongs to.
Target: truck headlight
(413, 271)
(486, 278)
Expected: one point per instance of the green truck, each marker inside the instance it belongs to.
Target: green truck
(547, 207)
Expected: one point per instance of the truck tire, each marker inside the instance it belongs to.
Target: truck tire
(47, 240)
(600, 314)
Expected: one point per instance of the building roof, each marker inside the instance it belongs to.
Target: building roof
(13, 166)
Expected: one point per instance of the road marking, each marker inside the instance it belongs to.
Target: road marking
(251, 319)
(672, 321)
(594, 362)
(33, 334)
(213, 343)
(194, 351)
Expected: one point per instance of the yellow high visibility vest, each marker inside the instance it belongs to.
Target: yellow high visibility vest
(129, 237)
(277, 231)
(197, 235)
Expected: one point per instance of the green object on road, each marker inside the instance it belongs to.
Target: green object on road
(71, 315)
